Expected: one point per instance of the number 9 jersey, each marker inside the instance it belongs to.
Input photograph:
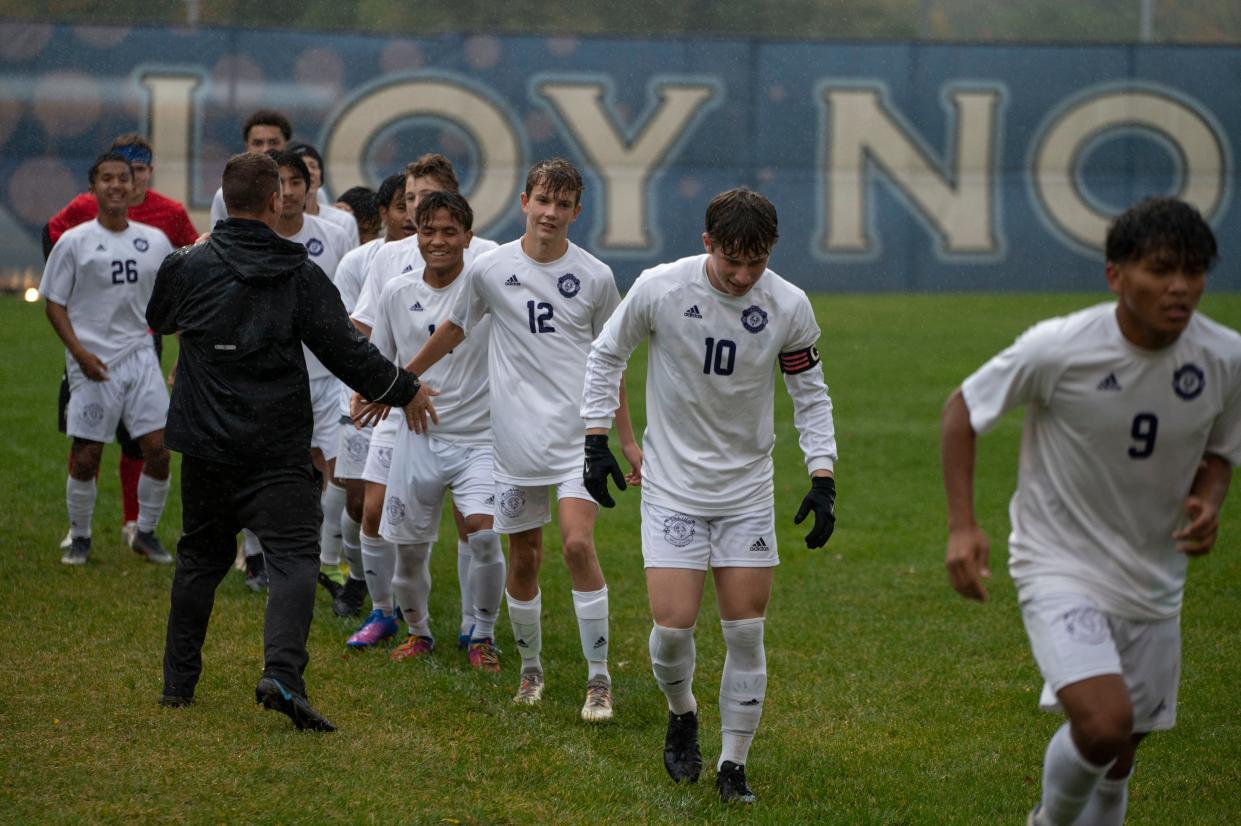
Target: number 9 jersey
(104, 280)
(1112, 439)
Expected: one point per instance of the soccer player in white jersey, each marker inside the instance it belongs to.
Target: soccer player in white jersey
(429, 173)
(547, 299)
(314, 204)
(263, 131)
(97, 281)
(717, 324)
(342, 504)
(457, 457)
(1132, 426)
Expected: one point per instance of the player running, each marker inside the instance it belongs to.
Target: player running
(1132, 426)
(97, 282)
(717, 323)
(547, 299)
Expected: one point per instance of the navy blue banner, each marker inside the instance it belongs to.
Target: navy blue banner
(893, 166)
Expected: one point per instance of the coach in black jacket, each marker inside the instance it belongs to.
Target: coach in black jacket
(243, 304)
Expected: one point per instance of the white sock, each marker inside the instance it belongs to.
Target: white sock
(465, 558)
(152, 494)
(333, 501)
(412, 585)
(379, 564)
(80, 500)
(351, 544)
(743, 687)
(1068, 780)
(591, 608)
(672, 661)
(250, 542)
(526, 617)
(486, 584)
(1107, 803)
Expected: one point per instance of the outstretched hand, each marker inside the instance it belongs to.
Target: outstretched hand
(420, 410)
(600, 464)
(822, 501)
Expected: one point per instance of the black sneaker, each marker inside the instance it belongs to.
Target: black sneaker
(269, 693)
(682, 758)
(330, 585)
(730, 781)
(176, 700)
(78, 551)
(348, 602)
(256, 573)
(146, 543)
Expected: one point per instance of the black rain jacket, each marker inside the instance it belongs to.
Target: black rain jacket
(243, 304)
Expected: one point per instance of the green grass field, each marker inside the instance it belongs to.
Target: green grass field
(890, 699)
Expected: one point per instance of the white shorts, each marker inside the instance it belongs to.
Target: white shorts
(1073, 639)
(671, 539)
(520, 508)
(379, 454)
(325, 404)
(134, 393)
(351, 454)
(424, 469)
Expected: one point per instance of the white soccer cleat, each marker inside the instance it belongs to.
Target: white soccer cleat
(67, 542)
(598, 705)
(530, 691)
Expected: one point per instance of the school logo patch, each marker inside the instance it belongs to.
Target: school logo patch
(569, 284)
(678, 530)
(314, 246)
(395, 510)
(141, 245)
(754, 318)
(1188, 381)
(1085, 625)
(384, 456)
(92, 413)
(356, 446)
(512, 502)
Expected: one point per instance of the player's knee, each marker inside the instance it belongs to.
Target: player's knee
(1105, 733)
(578, 550)
(86, 457)
(485, 546)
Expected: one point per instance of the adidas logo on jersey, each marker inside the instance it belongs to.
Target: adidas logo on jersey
(599, 643)
(101, 248)
(408, 268)
(760, 546)
(417, 307)
(512, 281)
(692, 312)
(1109, 383)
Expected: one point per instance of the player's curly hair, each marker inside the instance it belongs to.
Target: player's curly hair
(1165, 227)
(437, 166)
(458, 207)
(266, 117)
(558, 176)
(104, 158)
(742, 222)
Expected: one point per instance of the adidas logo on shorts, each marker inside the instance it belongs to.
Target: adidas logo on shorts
(692, 312)
(760, 546)
(512, 281)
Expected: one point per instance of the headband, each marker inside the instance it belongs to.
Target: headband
(134, 154)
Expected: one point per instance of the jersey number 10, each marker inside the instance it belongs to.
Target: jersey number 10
(720, 358)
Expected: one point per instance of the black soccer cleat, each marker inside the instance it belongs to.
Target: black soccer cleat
(730, 781)
(176, 700)
(682, 758)
(348, 603)
(269, 693)
(330, 585)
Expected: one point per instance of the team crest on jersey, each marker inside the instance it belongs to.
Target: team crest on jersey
(1085, 625)
(569, 284)
(141, 245)
(384, 455)
(512, 502)
(754, 318)
(92, 413)
(395, 510)
(678, 530)
(356, 446)
(1188, 381)
(314, 246)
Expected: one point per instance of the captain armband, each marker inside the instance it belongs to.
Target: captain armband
(799, 361)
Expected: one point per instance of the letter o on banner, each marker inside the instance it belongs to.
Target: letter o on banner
(1203, 172)
(484, 120)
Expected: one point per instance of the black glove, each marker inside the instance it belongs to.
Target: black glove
(822, 500)
(600, 463)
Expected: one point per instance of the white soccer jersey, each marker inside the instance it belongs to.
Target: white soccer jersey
(218, 210)
(400, 258)
(351, 272)
(104, 279)
(1112, 439)
(544, 317)
(409, 311)
(710, 385)
(342, 219)
(326, 244)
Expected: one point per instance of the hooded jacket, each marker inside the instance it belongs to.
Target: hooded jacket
(243, 303)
